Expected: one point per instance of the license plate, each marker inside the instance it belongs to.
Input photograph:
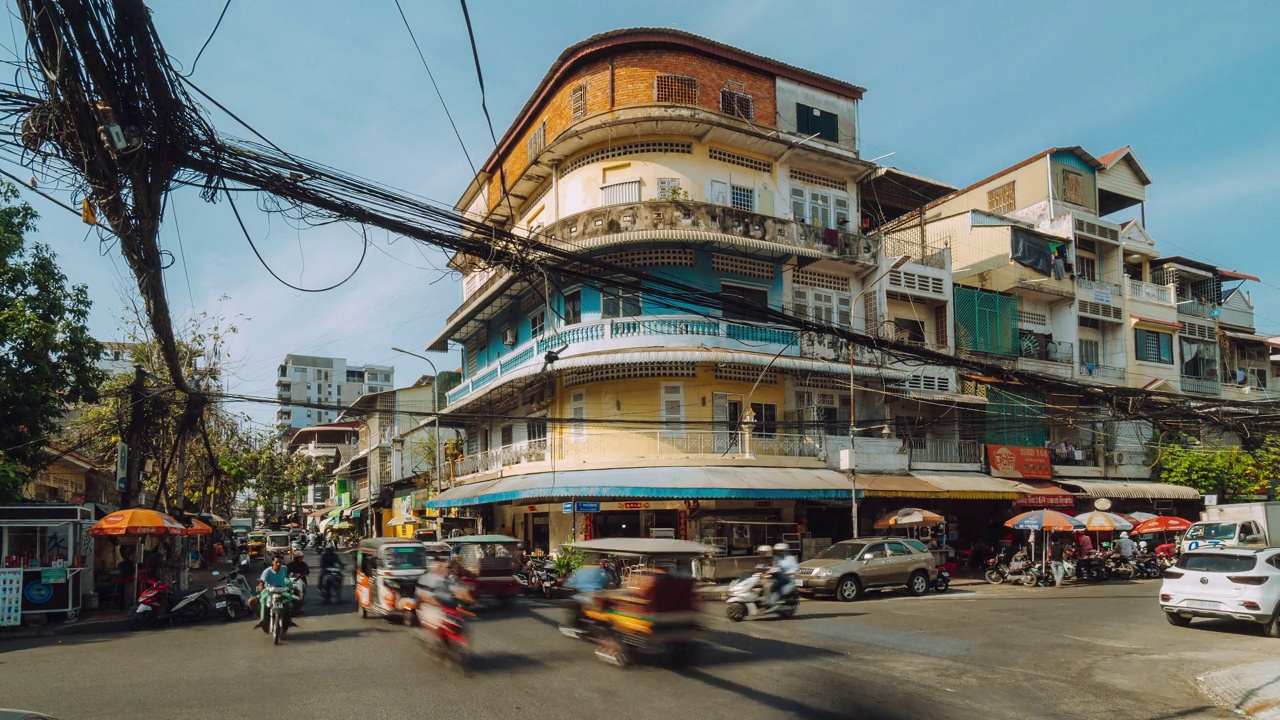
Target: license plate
(1203, 604)
(799, 583)
(220, 604)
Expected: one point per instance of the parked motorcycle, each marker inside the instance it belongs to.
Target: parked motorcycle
(231, 596)
(331, 584)
(942, 582)
(159, 601)
(749, 597)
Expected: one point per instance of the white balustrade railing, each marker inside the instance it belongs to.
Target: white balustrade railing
(1151, 292)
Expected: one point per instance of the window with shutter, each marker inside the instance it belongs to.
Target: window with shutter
(573, 307)
(673, 408)
(940, 326)
(578, 101)
(618, 193)
(819, 123)
(1000, 201)
(1073, 187)
(578, 416)
(537, 141)
(800, 304)
(743, 198)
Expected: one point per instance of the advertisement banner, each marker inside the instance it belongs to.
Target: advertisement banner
(1047, 501)
(1019, 463)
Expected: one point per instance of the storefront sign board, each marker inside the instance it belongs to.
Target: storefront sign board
(1021, 463)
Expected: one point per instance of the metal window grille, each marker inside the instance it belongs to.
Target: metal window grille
(732, 158)
(809, 178)
(1014, 418)
(578, 101)
(737, 104)
(742, 198)
(826, 281)
(986, 322)
(676, 89)
(636, 148)
(742, 266)
(1001, 200)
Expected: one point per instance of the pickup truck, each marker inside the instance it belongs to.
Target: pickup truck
(1254, 524)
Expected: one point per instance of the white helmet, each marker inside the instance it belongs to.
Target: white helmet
(764, 550)
(1124, 534)
(782, 547)
(1142, 545)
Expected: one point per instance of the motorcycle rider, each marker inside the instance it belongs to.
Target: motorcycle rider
(587, 581)
(329, 560)
(274, 576)
(783, 566)
(1125, 546)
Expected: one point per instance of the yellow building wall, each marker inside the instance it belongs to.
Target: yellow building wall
(1030, 187)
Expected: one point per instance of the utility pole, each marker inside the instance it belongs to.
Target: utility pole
(133, 438)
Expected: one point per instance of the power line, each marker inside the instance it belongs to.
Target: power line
(209, 39)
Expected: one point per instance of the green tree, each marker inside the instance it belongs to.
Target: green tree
(1230, 473)
(47, 355)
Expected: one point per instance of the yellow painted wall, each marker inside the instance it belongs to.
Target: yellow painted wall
(1030, 187)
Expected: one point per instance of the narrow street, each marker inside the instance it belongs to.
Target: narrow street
(1007, 652)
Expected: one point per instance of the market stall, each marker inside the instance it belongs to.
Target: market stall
(46, 557)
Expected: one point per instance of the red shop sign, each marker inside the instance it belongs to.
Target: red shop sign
(1020, 463)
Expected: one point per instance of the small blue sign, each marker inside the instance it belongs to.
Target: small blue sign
(566, 508)
(588, 507)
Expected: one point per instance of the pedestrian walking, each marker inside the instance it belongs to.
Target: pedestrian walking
(1055, 562)
(1084, 545)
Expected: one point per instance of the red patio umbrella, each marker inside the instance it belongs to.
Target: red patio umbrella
(1161, 524)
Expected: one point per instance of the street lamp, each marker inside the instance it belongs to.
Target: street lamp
(853, 415)
(435, 407)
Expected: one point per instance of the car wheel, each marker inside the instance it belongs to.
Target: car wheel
(918, 583)
(1177, 620)
(848, 589)
(1271, 628)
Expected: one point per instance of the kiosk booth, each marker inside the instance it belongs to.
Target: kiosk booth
(46, 560)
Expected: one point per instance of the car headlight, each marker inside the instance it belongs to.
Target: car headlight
(822, 572)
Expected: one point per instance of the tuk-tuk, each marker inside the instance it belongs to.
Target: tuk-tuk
(489, 564)
(387, 569)
(279, 543)
(257, 545)
(653, 610)
(437, 552)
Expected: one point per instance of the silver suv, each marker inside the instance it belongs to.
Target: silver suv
(848, 567)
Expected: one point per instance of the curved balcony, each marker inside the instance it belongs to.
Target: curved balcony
(647, 222)
(621, 334)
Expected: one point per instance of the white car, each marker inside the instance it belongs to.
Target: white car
(1238, 583)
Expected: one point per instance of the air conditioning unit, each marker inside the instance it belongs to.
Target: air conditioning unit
(509, 337)
(1119, 457)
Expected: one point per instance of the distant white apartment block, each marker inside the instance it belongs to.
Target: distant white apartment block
(308, 379)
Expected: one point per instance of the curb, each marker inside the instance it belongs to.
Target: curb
(77, 628)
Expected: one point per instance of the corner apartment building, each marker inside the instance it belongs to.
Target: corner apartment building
(1055, 273)
(328, 380)
(734, 173)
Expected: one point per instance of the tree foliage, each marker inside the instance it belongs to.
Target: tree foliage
(1231, 473)
(96, 427)
(271, 476)
(47, 355)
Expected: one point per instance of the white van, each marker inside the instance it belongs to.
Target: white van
(278, 543)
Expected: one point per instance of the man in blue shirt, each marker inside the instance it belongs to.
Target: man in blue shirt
(274, 576)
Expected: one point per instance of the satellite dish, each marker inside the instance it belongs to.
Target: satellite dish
(1102, 504)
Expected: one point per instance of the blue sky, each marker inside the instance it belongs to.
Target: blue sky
(956, 91)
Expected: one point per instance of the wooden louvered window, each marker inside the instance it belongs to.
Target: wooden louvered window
(1000, 200)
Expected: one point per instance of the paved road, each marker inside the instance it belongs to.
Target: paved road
(1086, 652)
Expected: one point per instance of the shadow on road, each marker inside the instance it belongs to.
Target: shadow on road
(504, 662)
(851, 706)
(302, 635)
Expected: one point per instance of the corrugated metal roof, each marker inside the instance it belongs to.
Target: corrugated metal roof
(896, 486)
(656, 482)
(1132, 490)
(971, 484)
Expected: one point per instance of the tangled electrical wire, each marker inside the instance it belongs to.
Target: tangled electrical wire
(102, 110)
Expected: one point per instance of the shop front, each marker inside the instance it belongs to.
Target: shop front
(731, 509)
(974, 505)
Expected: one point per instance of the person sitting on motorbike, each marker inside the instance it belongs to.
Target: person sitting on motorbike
(274, 576)
(1125, 546)
(329, 558)
(783, 566)
(1142, 547)
(298, 566)
(587, 581)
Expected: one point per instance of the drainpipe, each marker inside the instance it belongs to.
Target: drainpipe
(1048, 173)
(555, 192)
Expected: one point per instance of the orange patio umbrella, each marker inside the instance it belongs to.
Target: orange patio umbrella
(1162, 524)
(198, 528)
(138, 521)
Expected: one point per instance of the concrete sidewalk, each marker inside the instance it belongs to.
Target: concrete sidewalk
(1252, 690)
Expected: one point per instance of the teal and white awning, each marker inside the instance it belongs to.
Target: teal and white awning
(682, 483)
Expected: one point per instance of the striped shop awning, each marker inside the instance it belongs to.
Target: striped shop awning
(1130, 490)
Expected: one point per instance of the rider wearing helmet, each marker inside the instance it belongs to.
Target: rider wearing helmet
(298, 566)
(783, 565)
